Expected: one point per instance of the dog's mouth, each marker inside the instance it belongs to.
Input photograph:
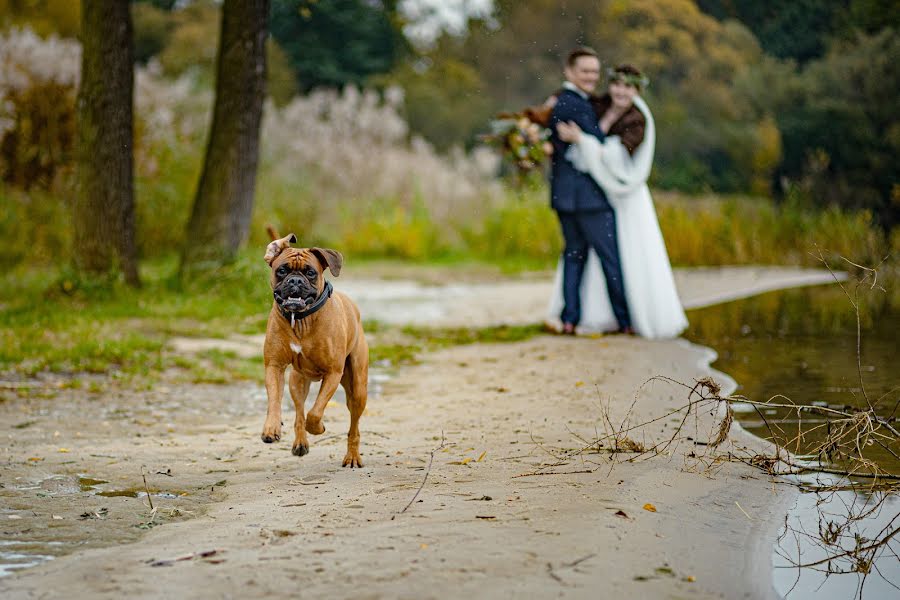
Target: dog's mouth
(293, 302)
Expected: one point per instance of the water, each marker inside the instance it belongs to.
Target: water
(17, 555)
(802, 344)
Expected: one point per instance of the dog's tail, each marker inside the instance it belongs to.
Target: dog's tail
(272, 233)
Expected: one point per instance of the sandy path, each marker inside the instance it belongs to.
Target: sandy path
(282, 524)
(457, 302)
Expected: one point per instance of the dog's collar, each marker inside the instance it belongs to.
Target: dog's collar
(317, 305)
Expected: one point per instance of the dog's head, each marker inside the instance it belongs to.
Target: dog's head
(297, 273)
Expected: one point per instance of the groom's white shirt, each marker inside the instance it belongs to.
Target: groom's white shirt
(571, 86)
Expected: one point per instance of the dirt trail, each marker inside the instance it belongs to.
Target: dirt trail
(481, 525)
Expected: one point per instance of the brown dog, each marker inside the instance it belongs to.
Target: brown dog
(320, 335)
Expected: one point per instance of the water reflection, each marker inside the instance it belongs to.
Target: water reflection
(801, 543)
(803, 344)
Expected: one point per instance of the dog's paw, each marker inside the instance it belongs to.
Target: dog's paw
(300, 450)
(271, 434)
(314, 425)
(352, 459)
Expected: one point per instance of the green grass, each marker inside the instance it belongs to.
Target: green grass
(395, 354)
(445, 337)
(53, 322)
(96, 334)
(414, 341)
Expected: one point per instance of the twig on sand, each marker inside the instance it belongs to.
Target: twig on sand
(742, 510)
(168, 562)
(554, 575)
(540, 473)
(146, 488)
(575, 563)
(570, 565)
(424, 479)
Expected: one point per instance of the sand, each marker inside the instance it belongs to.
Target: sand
(483, 525)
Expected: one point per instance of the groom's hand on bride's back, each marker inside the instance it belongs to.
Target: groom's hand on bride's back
(568, 132)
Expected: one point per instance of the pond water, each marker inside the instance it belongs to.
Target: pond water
(802, 344)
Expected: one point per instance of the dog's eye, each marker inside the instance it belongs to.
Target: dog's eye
(310, 272)
(282, 270)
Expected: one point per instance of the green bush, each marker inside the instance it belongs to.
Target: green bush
(521, 227)
(35, 227)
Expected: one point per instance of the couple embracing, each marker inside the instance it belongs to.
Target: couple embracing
(614, 275)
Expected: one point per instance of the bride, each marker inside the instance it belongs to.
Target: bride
(621, 165)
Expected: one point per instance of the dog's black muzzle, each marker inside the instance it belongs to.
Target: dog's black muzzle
(294, 293)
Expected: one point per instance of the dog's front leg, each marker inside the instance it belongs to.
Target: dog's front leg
(274, 389)
(314, 417)
(299, 385)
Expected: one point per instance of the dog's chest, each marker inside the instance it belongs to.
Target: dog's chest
(302, 362)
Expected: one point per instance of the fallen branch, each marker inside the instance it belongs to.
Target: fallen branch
(424, 479)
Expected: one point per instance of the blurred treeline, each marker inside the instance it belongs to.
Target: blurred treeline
(749, 96)
(787, 100)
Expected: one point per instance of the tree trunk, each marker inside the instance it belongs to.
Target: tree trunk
(104, 202)
(223, 206)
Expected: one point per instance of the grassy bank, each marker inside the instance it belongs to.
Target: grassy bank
(87, 331)
(51, 322)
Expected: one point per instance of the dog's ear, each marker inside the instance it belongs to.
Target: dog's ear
(331, 258)
(277, 247)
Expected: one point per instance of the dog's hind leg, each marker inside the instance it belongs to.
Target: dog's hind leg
(299, 386)
(314, 417)
(356, 384)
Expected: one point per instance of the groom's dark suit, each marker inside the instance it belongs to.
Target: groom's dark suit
(585, 215)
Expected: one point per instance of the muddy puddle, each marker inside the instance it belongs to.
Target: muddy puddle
(50, 515)
(81, 470)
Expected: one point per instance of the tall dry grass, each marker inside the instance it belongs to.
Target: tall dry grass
(714, 230)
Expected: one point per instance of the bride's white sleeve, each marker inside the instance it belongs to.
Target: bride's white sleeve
(606, 162)
(585, 155)
(616, 159)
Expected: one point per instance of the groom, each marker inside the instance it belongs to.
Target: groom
(585, 215)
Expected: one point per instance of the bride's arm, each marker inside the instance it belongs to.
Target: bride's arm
(586, 149)
(591, 157)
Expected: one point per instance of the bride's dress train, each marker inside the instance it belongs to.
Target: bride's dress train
(653, 302)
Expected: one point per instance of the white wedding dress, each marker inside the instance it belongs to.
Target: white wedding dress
(653, 302)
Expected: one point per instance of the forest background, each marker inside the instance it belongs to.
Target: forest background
(777, 128)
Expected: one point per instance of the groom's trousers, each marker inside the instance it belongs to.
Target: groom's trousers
(591, 229)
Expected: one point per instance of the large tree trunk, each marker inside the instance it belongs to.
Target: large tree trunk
(104, 204)
(223, 206)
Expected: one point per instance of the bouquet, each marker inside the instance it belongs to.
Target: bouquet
(522, 138)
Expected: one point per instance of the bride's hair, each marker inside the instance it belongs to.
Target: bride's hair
(629, 74)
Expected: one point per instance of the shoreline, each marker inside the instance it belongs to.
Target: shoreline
(548, 535)
(761, 568)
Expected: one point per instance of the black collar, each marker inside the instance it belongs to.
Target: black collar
(318, 304)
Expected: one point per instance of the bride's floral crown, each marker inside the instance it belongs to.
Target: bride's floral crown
(637, 80)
